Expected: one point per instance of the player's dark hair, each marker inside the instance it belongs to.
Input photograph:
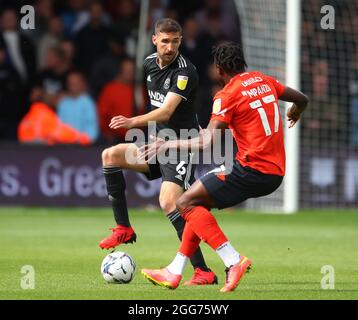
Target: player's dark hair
(229, 56)
(167, 25)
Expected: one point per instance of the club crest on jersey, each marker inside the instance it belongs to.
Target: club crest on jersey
(217, 106)
(167, 84)
(182, 82)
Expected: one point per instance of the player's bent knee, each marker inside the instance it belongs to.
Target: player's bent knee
(105, 156)
(167, 205)
(110, 156)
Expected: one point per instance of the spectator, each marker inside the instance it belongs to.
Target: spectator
(19, 49)
(105, 68)
(44, 10)
(213, 32)
(227, 17)
(11, 99)
(50, 39)
(41, 125)
(324, 121)
(184, 10)
(190, 47)
(353, 88)
(126, 23)
(126, 16)
(68, 48)
(75, 17)
(196, 47)
(92, 41)
(117, 98)
(157, 12)
(77, 108)
(50, 83)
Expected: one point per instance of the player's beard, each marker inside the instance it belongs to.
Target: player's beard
(167, 58)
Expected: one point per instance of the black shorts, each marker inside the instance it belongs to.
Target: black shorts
(180, 171)
(241, 184)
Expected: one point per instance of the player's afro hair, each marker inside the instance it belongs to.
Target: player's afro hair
(230, 57)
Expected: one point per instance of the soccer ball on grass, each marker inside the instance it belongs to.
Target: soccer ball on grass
(118, 267)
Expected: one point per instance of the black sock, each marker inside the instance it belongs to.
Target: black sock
(197, 260)
(116, 187)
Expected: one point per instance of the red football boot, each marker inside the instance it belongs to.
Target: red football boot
(162, 277)
(119, 235)
(235, 273)
(201, 277)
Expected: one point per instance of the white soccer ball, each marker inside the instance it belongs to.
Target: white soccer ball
(118, 267)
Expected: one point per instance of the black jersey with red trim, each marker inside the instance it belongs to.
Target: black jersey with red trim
(179, 77)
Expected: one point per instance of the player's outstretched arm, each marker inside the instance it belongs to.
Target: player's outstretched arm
(205, 139)
(300, 101)
(161, 114)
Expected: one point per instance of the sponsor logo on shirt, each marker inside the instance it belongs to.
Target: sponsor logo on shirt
(156, 98)
(217, 106)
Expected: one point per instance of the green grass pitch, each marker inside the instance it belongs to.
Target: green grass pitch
(288, 252)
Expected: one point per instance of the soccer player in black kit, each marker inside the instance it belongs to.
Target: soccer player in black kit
(172, 83)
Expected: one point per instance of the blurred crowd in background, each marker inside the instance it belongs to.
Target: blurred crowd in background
(329, 75)
(76, 69)
(79, 63)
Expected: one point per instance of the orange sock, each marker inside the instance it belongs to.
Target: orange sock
(190, 241)
(204, 224)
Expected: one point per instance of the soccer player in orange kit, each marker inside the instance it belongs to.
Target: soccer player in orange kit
(248, 105)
